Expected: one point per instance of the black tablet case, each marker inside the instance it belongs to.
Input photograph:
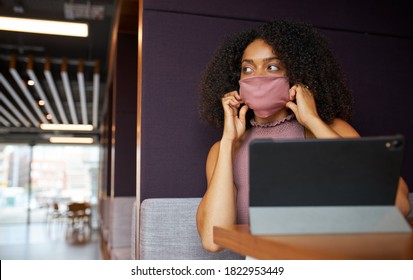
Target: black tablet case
(322, 175)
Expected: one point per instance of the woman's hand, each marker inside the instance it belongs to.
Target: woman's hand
(304, 108)
(305, 111)
(234, 121)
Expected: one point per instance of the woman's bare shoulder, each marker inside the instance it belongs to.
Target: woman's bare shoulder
(212, 159)
(343, 128)
(214, 150)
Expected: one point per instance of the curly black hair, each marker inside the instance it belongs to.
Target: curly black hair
(308, 59)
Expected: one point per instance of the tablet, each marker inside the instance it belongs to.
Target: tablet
(324, 185)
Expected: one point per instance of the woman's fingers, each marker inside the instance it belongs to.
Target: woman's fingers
(304, 107)
(233, 97)
(301, 90)
(234, 125)
(242, 113)
(233, 93)
(232, 101)
(302, 95)
(293, 93)
(293, 107)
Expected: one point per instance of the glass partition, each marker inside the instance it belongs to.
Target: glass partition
(38, 180)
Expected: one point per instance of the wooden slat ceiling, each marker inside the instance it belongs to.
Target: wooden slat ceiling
(69, 73)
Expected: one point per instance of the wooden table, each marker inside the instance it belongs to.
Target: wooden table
(389, 246)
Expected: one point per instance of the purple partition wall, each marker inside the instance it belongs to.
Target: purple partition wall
(373, 43)
(123, 129)
(174, 142)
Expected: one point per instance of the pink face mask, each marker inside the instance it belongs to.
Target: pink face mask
(266, 95)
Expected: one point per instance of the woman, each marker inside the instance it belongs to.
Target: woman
(280, 80)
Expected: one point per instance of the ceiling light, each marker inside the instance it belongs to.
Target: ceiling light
(72, 127)
(71, 140)
(44, 26)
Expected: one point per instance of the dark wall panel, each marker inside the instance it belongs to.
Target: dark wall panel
(372, 16)
(124, 102)
(378, 69)
(174, 142)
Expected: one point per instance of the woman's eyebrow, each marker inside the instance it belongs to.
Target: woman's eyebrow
(264, 59)
(270, 58)
(248, 60)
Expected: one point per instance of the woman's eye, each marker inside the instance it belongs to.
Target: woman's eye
(273, 68)
(246, 70)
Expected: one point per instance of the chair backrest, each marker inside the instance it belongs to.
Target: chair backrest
(168, 231)
(120, 227)
(78, 209)
(56, 206)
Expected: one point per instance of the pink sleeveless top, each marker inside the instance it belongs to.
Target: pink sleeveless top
(287, 128)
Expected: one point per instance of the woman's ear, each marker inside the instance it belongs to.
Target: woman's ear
(292, 92)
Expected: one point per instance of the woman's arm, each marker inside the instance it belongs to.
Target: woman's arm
(402, 198)
(218, 206)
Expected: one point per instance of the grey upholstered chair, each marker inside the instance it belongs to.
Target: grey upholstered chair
(168, 231)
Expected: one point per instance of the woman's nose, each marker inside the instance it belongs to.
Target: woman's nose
(260, 72)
